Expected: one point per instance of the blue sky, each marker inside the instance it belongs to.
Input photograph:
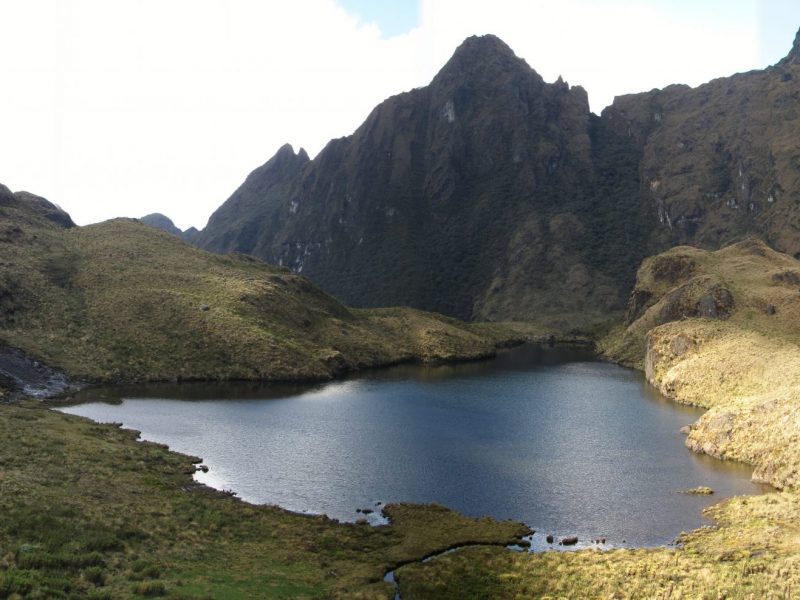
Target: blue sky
(778, 21)
(392, 17)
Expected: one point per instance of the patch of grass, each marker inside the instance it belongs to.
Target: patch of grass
(150, 589)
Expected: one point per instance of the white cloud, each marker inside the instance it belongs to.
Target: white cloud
(135, 106)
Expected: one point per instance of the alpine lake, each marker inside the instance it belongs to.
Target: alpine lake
(544, 435)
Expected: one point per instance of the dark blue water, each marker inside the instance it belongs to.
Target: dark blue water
(544, 436)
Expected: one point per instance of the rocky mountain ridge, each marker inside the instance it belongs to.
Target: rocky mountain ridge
(491, 194)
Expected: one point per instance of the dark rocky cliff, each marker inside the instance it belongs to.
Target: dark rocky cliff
(490, 194)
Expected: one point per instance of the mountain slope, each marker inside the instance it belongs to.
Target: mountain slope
(124, 301)
(490, 194)
(721, 159)
(467, 197)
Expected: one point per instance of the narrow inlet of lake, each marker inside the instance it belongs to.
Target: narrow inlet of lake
(547, 436)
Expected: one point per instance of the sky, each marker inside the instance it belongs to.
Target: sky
(130, 107)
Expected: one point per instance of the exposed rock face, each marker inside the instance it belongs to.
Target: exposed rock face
(490, 194)
(472, 196)
(719, 160)
(20, 372)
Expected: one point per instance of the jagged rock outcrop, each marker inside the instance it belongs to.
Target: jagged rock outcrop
(490, 194)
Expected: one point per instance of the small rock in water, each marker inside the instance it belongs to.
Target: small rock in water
(569, 541)
(700, 491)
(686, 429)
(549, 538)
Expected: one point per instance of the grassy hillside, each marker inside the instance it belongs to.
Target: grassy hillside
(719, 330)
(123, 301)
(744, 367)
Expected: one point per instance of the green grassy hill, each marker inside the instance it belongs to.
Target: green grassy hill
(122, 301)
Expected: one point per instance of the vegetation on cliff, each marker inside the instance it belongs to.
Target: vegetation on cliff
(474, 196)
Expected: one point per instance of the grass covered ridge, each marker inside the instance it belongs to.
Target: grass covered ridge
(122, 301)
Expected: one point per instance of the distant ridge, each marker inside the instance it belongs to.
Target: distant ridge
(164, 223)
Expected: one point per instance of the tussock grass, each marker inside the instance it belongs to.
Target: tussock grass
(122, 301)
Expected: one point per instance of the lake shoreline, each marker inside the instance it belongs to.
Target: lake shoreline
(586, 530)
(66, 398)
(590, 557)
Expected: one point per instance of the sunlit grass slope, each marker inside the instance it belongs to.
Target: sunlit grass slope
(123, 301)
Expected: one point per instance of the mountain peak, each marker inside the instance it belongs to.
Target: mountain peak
(286, 155)
(160, 221)
(35, 204)
(484, 44)
(484, 55)
(285, 150)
